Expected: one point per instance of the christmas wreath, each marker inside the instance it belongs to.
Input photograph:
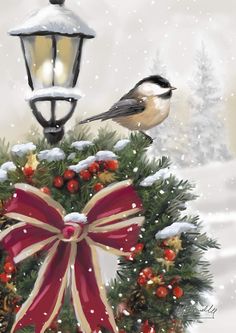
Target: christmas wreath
(112, 195)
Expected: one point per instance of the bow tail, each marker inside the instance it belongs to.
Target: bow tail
(45, 300)
(88, 292)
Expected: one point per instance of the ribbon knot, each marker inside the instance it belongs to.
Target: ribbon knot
(70, 242)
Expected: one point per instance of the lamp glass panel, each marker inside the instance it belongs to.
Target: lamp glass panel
(39, 57)
(66, 61)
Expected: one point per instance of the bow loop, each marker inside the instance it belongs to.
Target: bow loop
(107, 221)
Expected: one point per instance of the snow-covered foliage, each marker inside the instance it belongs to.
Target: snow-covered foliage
(150, 180)
(175, 229)
(71, 156)
(3, 176)
(105, 155)
(207, 138)
(121, 144)
(81, 145)
(23, 149)
(76, 217)
(200, 138)
(8, 166)
(52, 155)
(82, 165)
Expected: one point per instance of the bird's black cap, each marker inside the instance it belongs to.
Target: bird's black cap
(156, 79)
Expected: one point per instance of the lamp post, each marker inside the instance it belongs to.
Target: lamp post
(52, 40)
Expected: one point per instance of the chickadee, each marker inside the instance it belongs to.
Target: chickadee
(144, 107)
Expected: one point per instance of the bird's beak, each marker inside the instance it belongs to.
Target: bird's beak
(173, 88)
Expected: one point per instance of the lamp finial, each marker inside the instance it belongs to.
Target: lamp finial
(57, 2)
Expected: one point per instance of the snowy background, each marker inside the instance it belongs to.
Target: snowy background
(188, 40)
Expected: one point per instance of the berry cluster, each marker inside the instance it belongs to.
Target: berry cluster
(72, 181)
(148, 279)
(138, 248)
(9, 269)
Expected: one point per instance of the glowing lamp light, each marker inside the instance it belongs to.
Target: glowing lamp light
(52, 40)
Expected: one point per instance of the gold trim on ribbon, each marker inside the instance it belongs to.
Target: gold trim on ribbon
(114, 217)
(119, 225)
(30, 250)
(37, 286)
(60, 296)
(76, 298)
(10, 229)
(102, 291)
(46, 198)
(107, 248)
(106, 191)
(33, 221)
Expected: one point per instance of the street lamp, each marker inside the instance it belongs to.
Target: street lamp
(52, 40)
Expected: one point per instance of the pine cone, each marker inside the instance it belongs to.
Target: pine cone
(137, 300)
(4, 321)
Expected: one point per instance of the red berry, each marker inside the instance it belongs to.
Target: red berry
(147, 272)
(162, 292)
(142, 281)
(169, 255)
(58, 182)
(9, 259)
(139, 248)
(94, 167)
(112, 165)
(73, 186)
(146, 328)
(85, 175)
(46, 190)
(178, 292)
(171, 330)
(164, 243)
(175, 280)
(5, 277)
(122, 331)
(131, 257)
(9, 267)
(28, 171)
(69, 174)
(17, 308)
(98, 187)
(54, 325)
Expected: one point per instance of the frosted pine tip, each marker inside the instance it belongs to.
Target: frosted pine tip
(76, 218)
(57, 2)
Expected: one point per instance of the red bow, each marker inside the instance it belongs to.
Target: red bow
(71, 258)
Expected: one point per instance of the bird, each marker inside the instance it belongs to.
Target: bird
(143, 107)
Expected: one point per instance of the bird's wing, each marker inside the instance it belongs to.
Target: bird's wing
(123, 108)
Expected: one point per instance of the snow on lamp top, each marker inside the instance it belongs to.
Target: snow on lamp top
(53, 19)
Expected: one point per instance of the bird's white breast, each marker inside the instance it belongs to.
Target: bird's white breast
(156, 111)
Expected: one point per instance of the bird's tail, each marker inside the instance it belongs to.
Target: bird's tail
(102, 116)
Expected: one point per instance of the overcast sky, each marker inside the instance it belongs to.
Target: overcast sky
(128, 35)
